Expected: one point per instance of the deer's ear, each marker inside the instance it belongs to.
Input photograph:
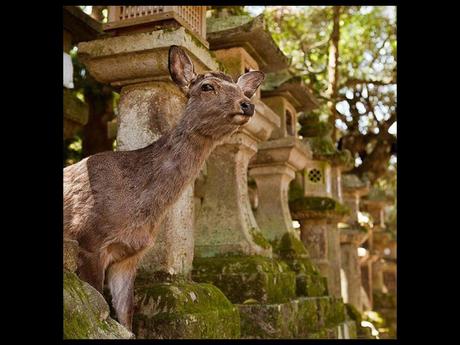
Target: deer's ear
(250, 81)
(180, 67)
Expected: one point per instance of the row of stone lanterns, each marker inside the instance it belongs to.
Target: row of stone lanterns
(244, 271)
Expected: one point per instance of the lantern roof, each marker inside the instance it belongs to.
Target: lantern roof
(249, 33)
(285, 84)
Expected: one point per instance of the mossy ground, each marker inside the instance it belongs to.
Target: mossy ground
(184, 310)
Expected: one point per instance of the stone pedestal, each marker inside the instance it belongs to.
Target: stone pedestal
(273, 169)
(318, 218)
(350, 239)
(150, 104)
(377, 276)
(225, 224)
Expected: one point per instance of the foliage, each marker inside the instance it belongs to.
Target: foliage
(366, 98)
(102, 101)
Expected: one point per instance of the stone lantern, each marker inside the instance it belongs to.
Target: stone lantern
(352, 236)
(273, 168)
(312, 202)
(150, 104)
(232, 250)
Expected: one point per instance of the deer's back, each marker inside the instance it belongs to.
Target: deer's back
(99, 195)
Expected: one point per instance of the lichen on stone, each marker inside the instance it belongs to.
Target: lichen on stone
(184, 309)
(318, 204)
(86, 313)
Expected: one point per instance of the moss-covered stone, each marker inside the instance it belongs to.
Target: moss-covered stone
(308, 316)
(268, 321)
(259, 239)
(293, 252)
(353, 313)
(295, 191)
(331, 310)
(245, 277)
(305, 318)
(183, 310)
(86, 314)
(318, 204)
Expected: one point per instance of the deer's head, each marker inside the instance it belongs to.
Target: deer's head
(216, 105)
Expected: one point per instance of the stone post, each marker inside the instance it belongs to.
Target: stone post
(313, 204)
(352, 236)
(228, 241)
(228, 235)
(150, 104)
(226, 223)
(273, 169)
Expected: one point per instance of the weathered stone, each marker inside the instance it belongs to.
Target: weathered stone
(318, 219)
(252, 35)
(293, 252)
(247, 277)
(292, 89)
(140, 57)
(351, 267)
(273, 169)
(86, 314)
(317, 317)
(70, 255)
(183, 310)
(226, 223)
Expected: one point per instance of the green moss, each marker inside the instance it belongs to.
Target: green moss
(318, 204)
(295, 191)
(184, 310)
(308, 316)
(293, 252)
(331, 311)
(86, 313)
(259, 239)
(289, 247)
(247, 277)
(353, 313)
(322, 146)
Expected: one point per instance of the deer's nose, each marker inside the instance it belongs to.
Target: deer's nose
(248, 108)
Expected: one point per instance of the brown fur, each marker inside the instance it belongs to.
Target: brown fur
(114, 202)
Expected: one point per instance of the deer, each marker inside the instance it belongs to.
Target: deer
(115, 201)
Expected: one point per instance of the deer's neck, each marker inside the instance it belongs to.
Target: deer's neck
(169, 165)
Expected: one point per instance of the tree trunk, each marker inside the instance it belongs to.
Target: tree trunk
(333, 70)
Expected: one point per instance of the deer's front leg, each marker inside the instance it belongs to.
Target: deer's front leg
(120, 279)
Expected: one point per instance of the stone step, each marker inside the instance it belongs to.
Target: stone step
(243, 278)
(183, 310)
(302, 318)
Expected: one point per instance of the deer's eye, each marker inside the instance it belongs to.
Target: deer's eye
(207, 87)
